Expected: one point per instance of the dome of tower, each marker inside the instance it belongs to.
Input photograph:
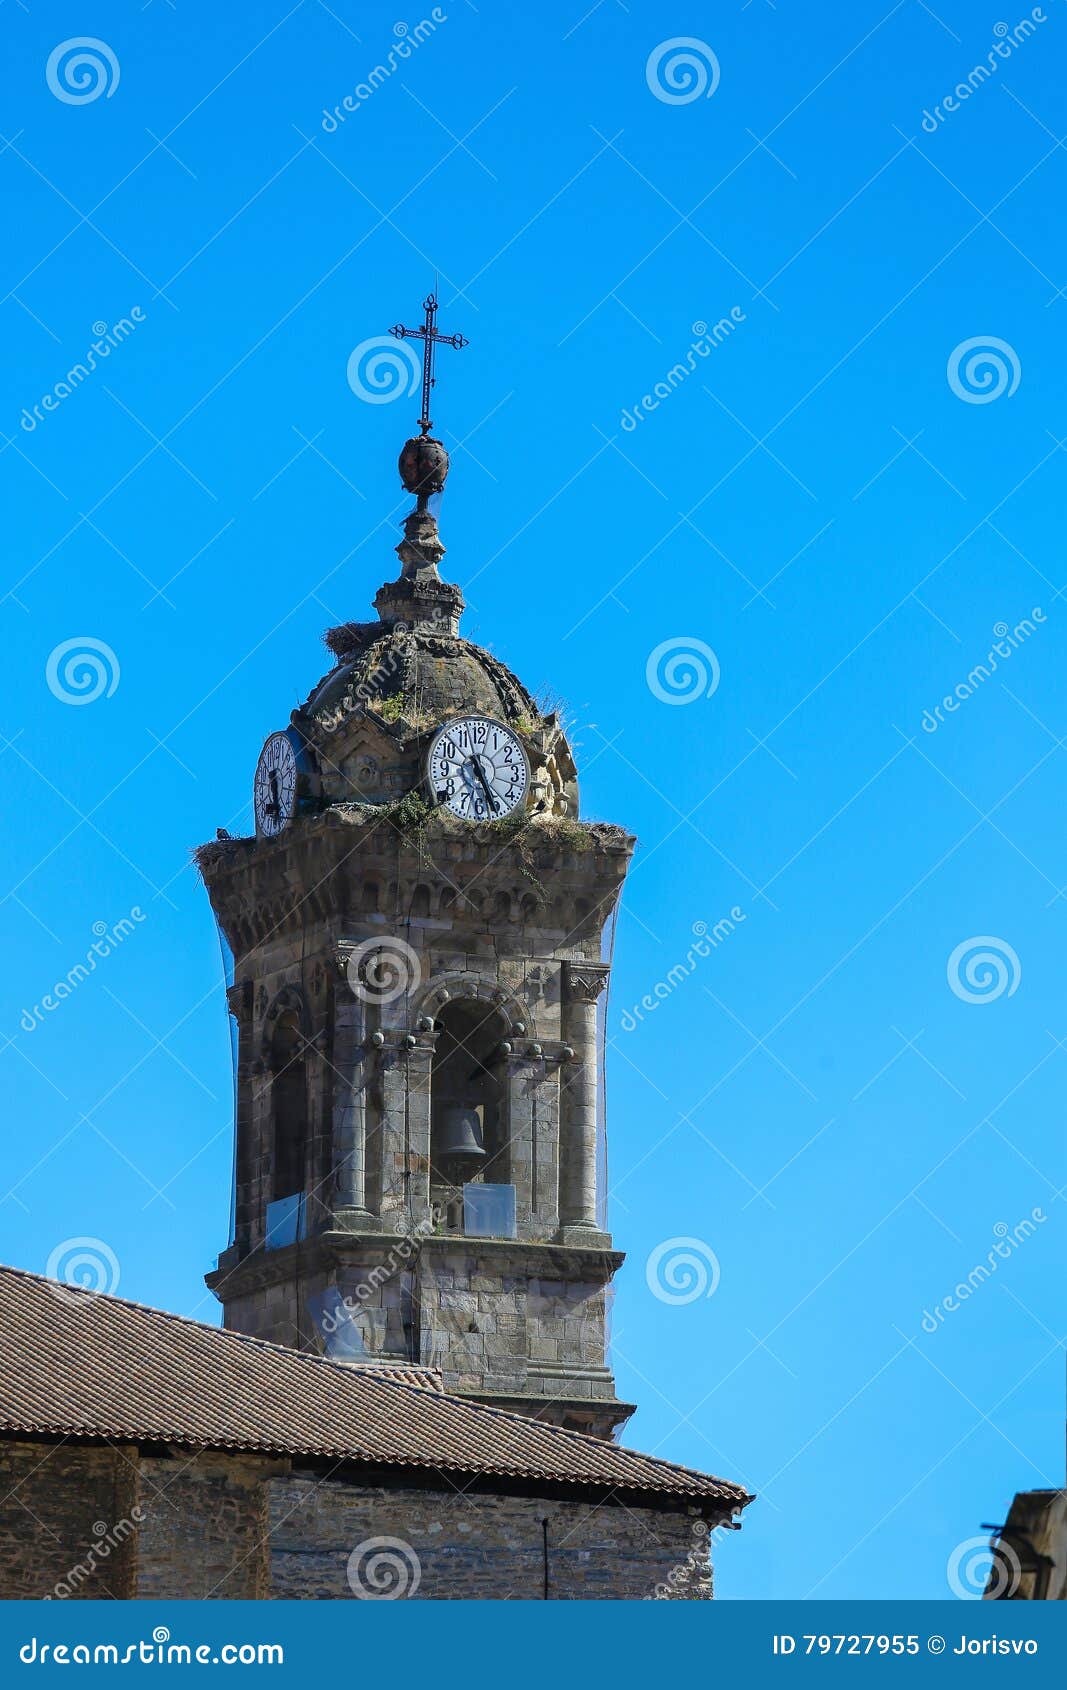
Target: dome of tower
(418, 673)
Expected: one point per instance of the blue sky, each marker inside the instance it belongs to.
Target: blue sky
(829, 502)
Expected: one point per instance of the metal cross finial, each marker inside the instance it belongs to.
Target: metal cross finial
(430, 339)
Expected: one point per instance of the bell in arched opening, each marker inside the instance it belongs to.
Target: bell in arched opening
(468, 1104)
(462, 1138)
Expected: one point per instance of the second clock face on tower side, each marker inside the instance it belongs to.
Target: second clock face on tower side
(477, 768)
(274, 788)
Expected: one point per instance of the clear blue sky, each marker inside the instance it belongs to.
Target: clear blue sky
(816, 503)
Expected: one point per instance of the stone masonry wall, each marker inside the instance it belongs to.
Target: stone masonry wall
(68, 1521)
(489, 1325)
(232, 1526)
(204, 1526)
(331, 1540)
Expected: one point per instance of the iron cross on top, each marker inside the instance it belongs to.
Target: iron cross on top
(430, 339)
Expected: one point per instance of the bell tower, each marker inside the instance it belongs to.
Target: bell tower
(417, 932)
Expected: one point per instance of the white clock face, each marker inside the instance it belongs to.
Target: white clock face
(274, 788)
(478, 769)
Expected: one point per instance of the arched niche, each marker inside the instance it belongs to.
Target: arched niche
(444, 989)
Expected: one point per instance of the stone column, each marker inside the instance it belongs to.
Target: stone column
(418, 1051)
(349, 1105)
(517, 1163)
(394, 1135)
(583, 983)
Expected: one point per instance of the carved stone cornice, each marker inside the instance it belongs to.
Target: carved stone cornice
(583, 982)
(263, 891)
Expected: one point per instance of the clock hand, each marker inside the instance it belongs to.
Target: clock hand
(480, 772)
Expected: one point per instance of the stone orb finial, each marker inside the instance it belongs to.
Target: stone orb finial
(423, 466)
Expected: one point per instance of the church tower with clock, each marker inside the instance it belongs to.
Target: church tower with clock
(417, 931)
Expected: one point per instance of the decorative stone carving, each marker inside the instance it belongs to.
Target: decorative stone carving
(444, 987)
(584, 981)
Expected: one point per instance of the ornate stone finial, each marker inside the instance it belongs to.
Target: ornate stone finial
(420, 598)
(423, 466)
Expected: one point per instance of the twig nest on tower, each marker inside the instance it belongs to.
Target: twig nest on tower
(423, 465)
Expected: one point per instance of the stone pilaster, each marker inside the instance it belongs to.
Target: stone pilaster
(350, 1059)
(405, 1065)
(533, 1082)
(583, 983)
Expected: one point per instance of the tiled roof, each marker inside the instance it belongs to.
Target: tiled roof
(77, 1364)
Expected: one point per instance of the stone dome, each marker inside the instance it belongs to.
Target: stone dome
(418, 674)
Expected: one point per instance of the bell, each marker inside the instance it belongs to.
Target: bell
(461, 1131)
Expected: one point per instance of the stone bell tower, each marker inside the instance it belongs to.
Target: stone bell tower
(416, 931)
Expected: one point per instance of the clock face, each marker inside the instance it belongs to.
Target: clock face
(478, 769)
(274, 788)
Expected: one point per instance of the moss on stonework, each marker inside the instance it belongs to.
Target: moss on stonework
(409, 814)
(506, 828)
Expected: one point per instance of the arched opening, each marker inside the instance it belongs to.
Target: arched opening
(468, 1105)
(288, 1106)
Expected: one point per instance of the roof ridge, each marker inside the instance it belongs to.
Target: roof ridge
(225, 1331)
